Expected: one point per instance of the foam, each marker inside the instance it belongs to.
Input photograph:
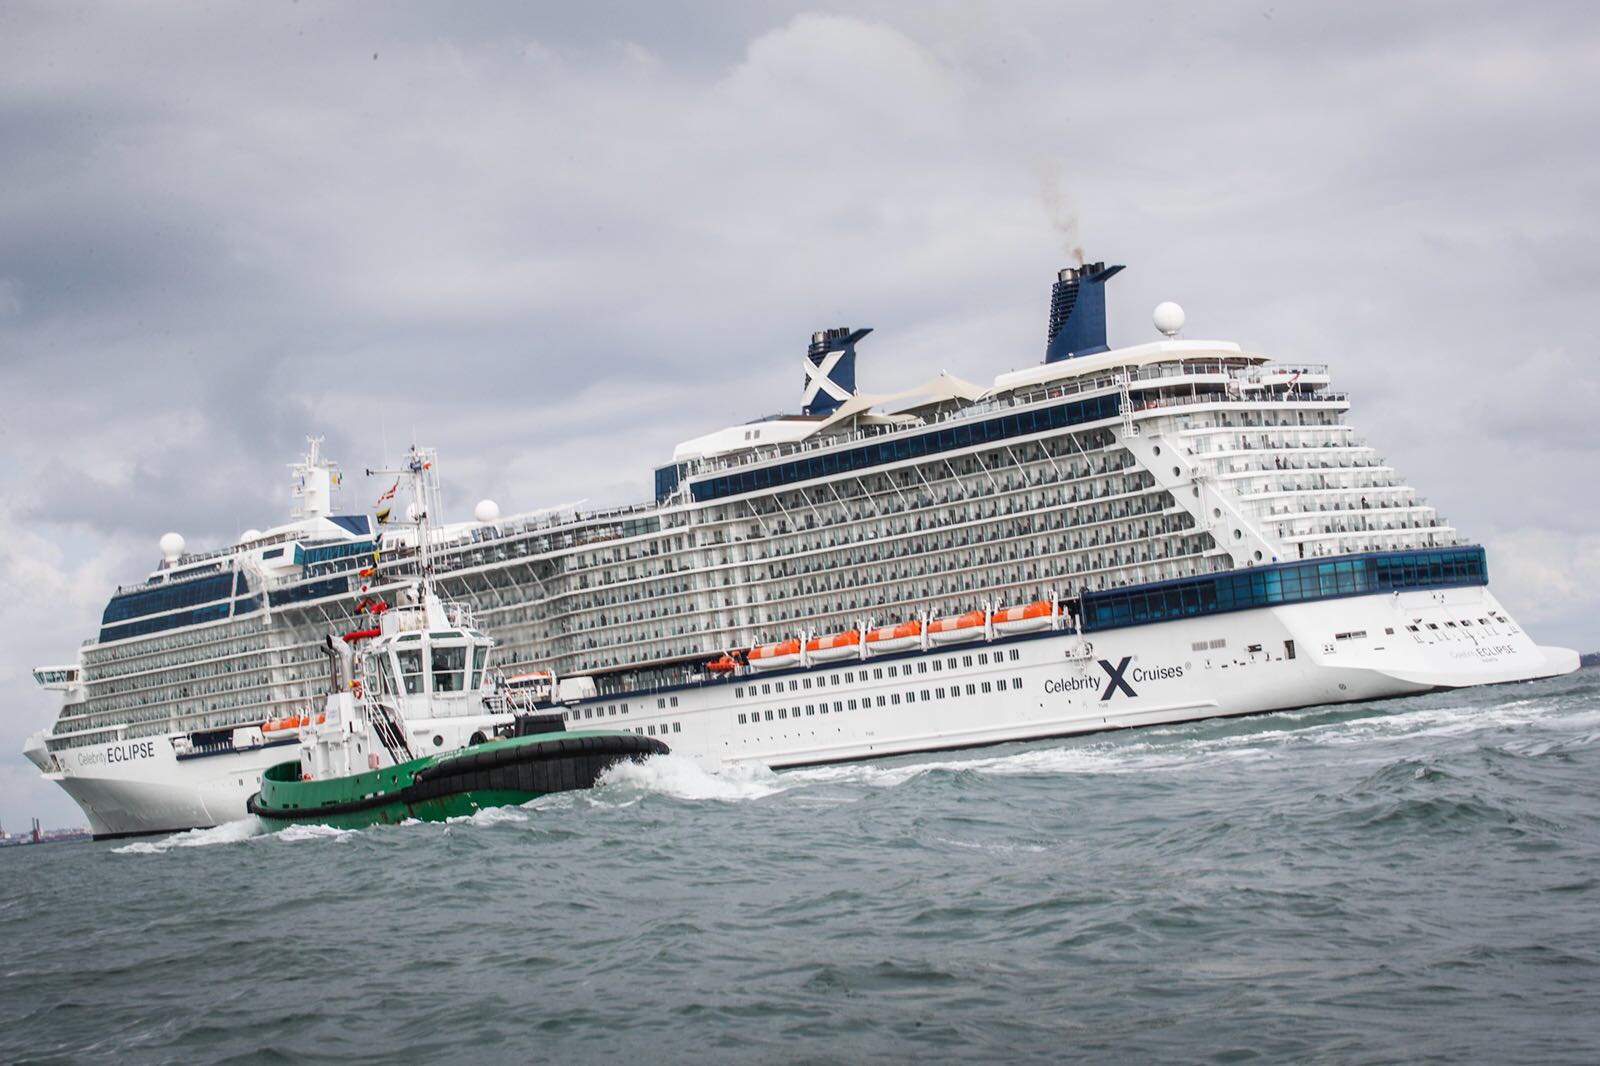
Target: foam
(226, 833)
(682, 778)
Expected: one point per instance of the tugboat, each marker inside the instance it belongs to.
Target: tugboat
(414, 727)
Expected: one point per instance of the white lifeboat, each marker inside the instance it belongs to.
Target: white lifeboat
(837, 646)
(968, 626)
(1024, 619)
(895, 638)
(772, 656)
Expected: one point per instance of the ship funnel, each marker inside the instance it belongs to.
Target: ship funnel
(831, 369)
(1078, 312)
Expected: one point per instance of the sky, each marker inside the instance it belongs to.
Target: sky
(553, 240)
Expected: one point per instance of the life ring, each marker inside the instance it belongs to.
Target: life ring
(355, 688)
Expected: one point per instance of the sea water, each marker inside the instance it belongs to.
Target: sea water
(1404, 881)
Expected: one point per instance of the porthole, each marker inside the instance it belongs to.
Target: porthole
(438, 741)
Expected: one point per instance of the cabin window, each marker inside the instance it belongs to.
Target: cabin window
(410, 660)
(480, 659)
(449, 666)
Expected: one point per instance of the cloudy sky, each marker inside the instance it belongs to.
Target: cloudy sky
(552, 242)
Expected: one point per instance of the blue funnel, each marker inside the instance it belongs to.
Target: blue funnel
(1078, 312)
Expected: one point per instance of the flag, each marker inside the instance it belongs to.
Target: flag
(383, 514)
(388, 493)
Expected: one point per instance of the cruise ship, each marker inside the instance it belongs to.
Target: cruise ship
(1176, 530)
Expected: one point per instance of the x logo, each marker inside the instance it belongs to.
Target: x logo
(1115, 674)
(819, 378)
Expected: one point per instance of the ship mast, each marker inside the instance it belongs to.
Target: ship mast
(422, 474)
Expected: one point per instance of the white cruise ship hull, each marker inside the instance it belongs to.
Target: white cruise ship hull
(1029, 687)
(136, 787)
(1134, 676)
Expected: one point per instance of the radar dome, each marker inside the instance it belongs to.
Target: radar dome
(171, 546)
(413, 512)
(1169, 318)
(486, 511)
(249, 535)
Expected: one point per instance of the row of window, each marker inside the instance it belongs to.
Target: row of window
(643, 730)
(892, 699)
(1240, 590)
(126, 605)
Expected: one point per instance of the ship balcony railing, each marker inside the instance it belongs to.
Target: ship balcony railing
(1151, 404)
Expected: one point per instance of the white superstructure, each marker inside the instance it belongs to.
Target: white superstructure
(1173, 530)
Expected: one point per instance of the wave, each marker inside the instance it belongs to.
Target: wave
(682, 778)
(226, 833)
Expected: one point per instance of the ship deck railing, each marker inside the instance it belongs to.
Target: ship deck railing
(1251, 373)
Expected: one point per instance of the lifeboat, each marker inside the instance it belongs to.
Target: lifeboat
(895, 638)
(968, 626)
(772, 656)
(279, 727)
(1024, 619)
(725, 665)
(837, 646)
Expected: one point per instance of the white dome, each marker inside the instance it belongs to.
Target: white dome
(249, 535)
(413, 512)
(1168, 318)
(486, 511)
(171, 546)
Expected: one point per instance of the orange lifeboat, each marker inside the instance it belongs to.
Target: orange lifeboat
(895, 638)
(968, 626)
(288, 724)
(772, 656)
(838, 646)
(1024, 619)
(725, 665)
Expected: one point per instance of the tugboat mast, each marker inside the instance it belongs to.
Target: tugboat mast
(422, 473)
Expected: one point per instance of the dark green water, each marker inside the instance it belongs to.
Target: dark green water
(1410, 881)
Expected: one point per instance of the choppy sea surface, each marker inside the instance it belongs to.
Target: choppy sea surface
(1405, 881)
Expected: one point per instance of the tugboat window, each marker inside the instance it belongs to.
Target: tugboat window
(449, 664)
(410, 661)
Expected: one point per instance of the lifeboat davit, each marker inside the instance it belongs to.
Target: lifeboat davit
(837, 646)
(725, 665)
(772, 656)
(1024, 619)
(968, 626)
(895, 638)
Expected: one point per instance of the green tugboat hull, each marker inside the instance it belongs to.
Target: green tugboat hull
(499, 773)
